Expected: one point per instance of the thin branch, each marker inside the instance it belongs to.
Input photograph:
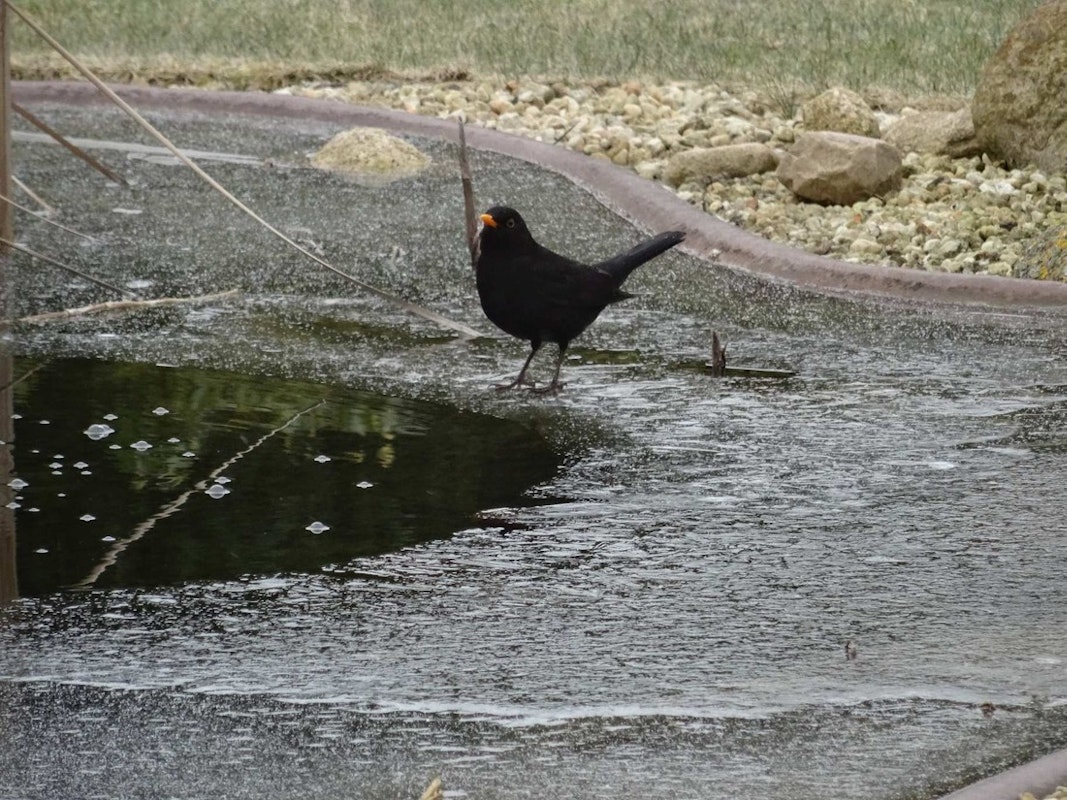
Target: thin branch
(40, 124)
(120, 305)
(65, 267)
(407, 305)
(30, 193)
(718, 362)
(43, 218)
(468, 195)
(16, 381)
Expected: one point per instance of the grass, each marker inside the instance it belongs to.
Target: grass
(914, 46)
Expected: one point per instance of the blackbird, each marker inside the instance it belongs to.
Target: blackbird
(530, 292)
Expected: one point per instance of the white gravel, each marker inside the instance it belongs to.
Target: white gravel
(955, 215)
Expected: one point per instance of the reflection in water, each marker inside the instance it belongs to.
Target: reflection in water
(148, 476)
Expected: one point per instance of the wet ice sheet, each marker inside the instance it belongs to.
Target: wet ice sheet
(125, 743)
(673, 622)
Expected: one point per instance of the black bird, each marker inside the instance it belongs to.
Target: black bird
(534, 294)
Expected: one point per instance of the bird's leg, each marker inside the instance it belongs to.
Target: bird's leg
(521, 379)
(555, 386)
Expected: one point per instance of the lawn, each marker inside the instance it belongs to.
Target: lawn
(915, 46)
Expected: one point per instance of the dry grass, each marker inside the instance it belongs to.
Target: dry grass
(915, 46)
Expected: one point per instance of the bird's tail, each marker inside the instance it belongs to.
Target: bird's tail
(622, 265)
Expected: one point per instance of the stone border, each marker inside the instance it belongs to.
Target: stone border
(1040, 778)
(648, 205)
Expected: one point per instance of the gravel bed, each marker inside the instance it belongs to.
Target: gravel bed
(955, 215)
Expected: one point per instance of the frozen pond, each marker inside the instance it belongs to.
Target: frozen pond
(656, 597)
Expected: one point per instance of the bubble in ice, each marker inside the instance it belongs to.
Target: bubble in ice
(56, 465)
(17, 484)
(41, 550)
(141, 445)
(173, 440)
(317, 527)
(80, 465)
(110, 417)
(216, 491)
(107, 538)
(159, 411)
(223, 480)
(13, 505)
(364, 485)
(188, 454)
(86, 517)
(98, 431)
(323, 459)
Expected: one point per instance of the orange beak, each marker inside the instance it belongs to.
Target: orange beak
(488, 220)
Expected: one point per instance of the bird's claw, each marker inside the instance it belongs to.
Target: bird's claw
(553, 388)
(520, 381)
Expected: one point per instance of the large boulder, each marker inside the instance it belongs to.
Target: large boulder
(728, 161)
(1020, 104)
(942, 133)
(840, 110)
(840, 169)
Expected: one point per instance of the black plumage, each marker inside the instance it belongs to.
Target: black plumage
(532, 293)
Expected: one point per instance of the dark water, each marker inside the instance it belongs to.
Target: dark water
(212, 475)
(662, 616)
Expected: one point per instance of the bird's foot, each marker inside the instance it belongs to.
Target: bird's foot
(519, 381)
(553, 388)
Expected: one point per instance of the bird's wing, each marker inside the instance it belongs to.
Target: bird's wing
(550, 295)
(558, 281)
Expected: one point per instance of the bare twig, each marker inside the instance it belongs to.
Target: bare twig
(120, 305)
(468, 195)
(407, 305)
(30, 193)
(718, 356)
(43, 218)
(435, 791)
(40, 124)
(65, 267)
(16, 381)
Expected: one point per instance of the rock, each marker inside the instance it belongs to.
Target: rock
(1045, 257)
(937, 132)
(1020, 104)
(839, 168)
(840, 110)
(865, 248)
(370, 152)
(728, 161)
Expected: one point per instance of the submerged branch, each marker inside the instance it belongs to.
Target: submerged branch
(171, 508)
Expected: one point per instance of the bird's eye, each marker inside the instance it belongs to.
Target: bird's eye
(510, 223)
